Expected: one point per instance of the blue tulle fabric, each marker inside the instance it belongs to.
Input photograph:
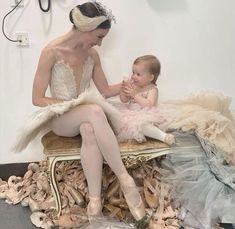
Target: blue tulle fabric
(203, 185)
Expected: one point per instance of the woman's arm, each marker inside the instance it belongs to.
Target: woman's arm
(42, 79)
(100, 80)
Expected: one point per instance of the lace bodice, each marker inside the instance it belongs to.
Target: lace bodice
(144, 93)
(63, 83)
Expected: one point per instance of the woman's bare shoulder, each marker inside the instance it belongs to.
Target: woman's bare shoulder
(51, 51)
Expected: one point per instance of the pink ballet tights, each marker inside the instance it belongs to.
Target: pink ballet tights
(98, 142)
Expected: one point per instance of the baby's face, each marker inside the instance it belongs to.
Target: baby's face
(140, 75)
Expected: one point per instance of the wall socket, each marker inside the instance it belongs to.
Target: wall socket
(15, 2)
(23, 38)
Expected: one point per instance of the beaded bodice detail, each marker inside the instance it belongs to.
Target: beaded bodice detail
(63, 82)
(144, 93)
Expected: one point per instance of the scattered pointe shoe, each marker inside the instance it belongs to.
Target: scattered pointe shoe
(94, 208)
(169, 139)
(40, 219)
(71, 220)
(132, 196)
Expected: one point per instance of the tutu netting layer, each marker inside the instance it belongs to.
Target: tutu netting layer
(203, 186)
(208, 114)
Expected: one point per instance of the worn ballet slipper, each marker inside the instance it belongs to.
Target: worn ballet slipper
(78, 198)
(25, 202)
(112, 189)
(42, 182)
(71, 220)
(34, 205)
(16, 193)
(118, 201)
(13, 181)
(169, 139)
(41, 220)
(132, 196)
(3, 189)
(33, 166)
(94, 207)
(38, 200)
(150, 194)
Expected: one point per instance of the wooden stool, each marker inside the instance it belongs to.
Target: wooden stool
(58, 148)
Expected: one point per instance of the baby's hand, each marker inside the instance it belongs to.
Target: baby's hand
(125, 84)
(129, 91)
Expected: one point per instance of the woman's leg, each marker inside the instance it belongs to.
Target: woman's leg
(70, 123)
(91, 159)
(152, 131)
(89, 149)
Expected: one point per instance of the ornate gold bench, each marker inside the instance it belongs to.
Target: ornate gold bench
(58, 148)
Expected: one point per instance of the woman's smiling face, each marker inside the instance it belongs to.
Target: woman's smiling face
(95, 37)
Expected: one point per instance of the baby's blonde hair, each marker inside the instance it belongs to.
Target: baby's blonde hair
(153, 65)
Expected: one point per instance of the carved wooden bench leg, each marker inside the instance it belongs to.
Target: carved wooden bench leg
(54, 184)
(52, 178)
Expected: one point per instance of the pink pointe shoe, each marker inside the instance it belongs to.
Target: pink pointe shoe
(132, 196)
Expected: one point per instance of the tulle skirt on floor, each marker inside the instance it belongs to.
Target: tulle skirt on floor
(203, 186)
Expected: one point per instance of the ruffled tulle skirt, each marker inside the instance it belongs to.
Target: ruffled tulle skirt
(130, 126)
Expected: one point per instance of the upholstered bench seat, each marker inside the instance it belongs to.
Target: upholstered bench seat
(57, 148)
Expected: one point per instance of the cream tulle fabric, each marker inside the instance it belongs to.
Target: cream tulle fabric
(209, 115)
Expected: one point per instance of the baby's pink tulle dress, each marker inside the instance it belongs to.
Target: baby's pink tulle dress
(134, 116)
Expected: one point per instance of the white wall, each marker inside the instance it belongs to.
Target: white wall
(194, 41)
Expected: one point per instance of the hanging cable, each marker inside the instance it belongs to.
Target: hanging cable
(48, 5)
(3, 22)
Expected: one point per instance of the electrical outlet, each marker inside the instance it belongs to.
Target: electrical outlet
(23, 38)
(15, 2)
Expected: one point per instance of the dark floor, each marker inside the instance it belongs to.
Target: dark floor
(15, 217)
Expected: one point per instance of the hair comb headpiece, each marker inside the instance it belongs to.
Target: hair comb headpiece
(84, 23)
(104, 10)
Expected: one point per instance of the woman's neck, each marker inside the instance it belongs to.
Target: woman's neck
(73, 39)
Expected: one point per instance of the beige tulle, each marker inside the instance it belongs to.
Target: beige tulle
(209, 115)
